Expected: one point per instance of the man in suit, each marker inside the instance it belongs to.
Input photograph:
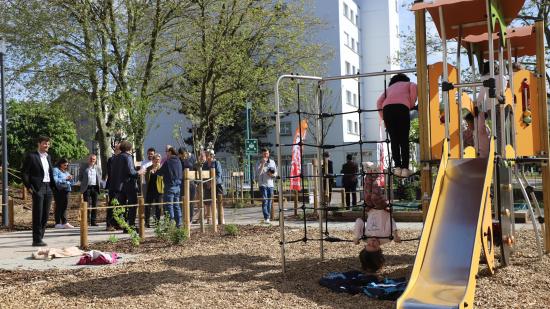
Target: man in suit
(39, 181)
(90, 180)
(123, 180)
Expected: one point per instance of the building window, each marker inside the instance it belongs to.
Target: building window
(351, 16)
(356, 19)
(346, 10)
(349, 126)
(348, 97)
(286, 129)
(346, 38)
(353, 70)
(352, 43)
(354, 99)
(348, 68)
(358, 49)
(356, 127)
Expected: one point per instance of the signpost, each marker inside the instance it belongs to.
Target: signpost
(251, 146)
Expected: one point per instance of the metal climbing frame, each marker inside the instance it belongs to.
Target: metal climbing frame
(320, 146)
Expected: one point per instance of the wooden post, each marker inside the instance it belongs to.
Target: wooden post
(326, 184)
(185, 203)
(543, 112)
(83, 225)
(141, 217)
(213, 204)
(221, 214)
(242, 187)
(295, 192)
(343, 199)
(24, 193)
(11, 223)
(315, 187)
(201, 202)
(423, 110)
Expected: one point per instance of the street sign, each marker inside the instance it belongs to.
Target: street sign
(251, 146)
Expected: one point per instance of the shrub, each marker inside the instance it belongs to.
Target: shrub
(113, 239)
(166, 229)
(118, 215)
(231, 229)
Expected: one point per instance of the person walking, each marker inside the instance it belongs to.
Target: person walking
(123, 181)
(63, 181)
(153, 194)
(38, 180)
(171, 172)
(266, 171)
(349, 180)
(90, 180)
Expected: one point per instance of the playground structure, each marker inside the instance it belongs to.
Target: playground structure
(461, 211)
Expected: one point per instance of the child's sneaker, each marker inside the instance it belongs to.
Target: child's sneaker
(59, 226)
(397, 171)
(405, 173)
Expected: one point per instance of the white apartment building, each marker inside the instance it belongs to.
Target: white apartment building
(363, 35)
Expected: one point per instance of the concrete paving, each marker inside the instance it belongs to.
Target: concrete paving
(16, 249)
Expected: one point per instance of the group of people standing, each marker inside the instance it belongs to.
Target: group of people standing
(161, 183)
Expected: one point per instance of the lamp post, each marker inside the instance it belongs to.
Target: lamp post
(4, 138)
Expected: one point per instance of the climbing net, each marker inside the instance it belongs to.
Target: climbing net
(319, 115)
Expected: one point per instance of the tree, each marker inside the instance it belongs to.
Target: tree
(28, 120)
(233, 51)
(109, 50)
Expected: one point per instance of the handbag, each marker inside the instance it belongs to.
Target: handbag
(160, 184)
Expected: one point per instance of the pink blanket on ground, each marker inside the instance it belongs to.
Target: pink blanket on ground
(95, 257)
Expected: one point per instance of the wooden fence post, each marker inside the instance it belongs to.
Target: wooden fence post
(213, 205)
(201, 202)
(185, 203)
(83, 225)
(315, 187)
(295, 193)
(141, 217)
(10, 214)
(24, 193)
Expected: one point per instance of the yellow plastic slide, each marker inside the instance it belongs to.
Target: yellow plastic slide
(448, 254)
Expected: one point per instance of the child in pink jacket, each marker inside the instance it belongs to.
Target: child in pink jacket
(395, 104)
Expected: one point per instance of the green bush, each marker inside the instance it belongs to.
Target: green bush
(166, 230)
(113, 239)
(231, 229)
(118, 215)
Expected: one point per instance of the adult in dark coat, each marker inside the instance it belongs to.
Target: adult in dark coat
(123, 180)
(39, 181)
(111, 223)
(349, 180)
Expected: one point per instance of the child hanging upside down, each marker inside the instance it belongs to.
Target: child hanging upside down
(380, 226)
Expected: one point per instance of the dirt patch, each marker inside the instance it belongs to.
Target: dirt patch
(244, 271)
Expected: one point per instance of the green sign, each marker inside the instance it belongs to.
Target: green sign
(251, 146)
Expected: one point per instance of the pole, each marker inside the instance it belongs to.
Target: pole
(5, 211)
(213, 205)
(248, 163)
(141, 217)
(83, 225)
(185, 203)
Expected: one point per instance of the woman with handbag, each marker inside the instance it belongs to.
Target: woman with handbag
(154, 190)
(63, 180)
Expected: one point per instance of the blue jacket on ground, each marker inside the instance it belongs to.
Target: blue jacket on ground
(171, 172)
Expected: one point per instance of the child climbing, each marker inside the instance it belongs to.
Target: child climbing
(380, 226)
(395, 103)
(482, 135)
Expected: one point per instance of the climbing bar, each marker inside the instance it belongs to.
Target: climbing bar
(382, 73)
